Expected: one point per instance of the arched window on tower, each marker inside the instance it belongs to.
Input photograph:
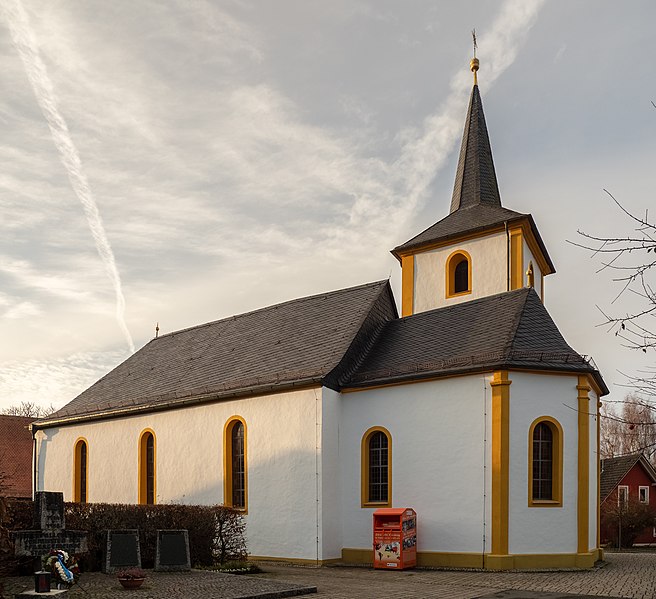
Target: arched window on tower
(147, 468)
(376, 467)
(80, 471)
(545, 463)
(235, 482)
(458, 274)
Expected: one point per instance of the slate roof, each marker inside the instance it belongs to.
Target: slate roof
(312, 340)
(507, 330)
(15, 456)
(476, 179)
(613, 470)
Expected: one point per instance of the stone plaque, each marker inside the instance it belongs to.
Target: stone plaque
(49, 510)
(122, 550)
(172, 551)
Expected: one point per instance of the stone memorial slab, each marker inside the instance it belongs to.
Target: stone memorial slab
(122, 550)
(172, 553)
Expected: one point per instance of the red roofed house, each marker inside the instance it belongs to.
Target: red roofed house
(15, 456)
(627, 478)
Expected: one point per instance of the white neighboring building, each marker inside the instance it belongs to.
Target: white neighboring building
(308, 415)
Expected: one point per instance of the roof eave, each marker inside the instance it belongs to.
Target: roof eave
(172, 404)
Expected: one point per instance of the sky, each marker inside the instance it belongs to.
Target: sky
(177, 162)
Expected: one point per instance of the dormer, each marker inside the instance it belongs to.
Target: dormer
(480, 248)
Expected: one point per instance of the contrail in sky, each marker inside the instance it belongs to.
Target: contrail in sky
(23, 39)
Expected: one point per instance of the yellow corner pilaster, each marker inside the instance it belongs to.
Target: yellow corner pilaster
(516, 259)
(583, 495)
(407, 285)
(500, 461)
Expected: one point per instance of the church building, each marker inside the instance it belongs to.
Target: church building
(469, 407)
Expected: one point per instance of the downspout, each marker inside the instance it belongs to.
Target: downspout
(505, 224)
(34, 462)
(316, 464)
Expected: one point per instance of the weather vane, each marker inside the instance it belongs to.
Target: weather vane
(473, 65)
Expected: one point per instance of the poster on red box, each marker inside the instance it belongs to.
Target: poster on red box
(387, 548)
(395, 538)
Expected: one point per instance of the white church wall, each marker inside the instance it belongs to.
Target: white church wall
(331, 514)
(489, 272)
(282, 463)
(542, 529)
(437, 430)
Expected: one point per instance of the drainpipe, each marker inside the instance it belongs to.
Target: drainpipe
(505, 224)
(34, 462)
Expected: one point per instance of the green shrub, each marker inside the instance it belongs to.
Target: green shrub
(216, 533)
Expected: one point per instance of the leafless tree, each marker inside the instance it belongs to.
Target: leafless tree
(29, 409)
(628, 426)
(632, 260)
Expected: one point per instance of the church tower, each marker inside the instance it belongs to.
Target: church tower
(480, 248)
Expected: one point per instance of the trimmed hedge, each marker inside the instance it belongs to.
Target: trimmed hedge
(15, 514)
(216, 533)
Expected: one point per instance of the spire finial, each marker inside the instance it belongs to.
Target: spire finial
(473, 65)
(157, 330)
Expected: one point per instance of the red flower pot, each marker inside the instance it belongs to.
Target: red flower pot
(131, 583)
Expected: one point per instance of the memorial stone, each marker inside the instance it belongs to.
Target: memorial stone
(122, 550)
(172, 553)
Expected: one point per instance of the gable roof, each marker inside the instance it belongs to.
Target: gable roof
(613, 470)
(312, 340)
(507, 330)
(15, 456)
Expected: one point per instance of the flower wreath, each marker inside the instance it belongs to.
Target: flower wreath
(63, 566)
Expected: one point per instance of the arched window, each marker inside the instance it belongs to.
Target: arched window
(458, 274)
(147, 467)
(545, 463)
(376, 458)
(235, 474)
(80, 471)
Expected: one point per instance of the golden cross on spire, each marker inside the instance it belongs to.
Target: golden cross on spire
(473, 65)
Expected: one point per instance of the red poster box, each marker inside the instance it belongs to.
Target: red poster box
(395, 538)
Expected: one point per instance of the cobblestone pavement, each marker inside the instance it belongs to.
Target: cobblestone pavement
(624, 575)
(631, 575)
(196, 584)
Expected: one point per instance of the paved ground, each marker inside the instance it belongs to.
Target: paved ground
(630, 575)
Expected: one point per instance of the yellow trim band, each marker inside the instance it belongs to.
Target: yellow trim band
(556, 463)
(77, 470)
(143, 457)
(500, 460)
(364, 465)
(538, 561)
(227, 463)
(407, 285)
(583, 500)
(516, 259)
(450, 273)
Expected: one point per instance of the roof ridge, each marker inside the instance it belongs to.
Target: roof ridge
(271, 307)
(515, 326)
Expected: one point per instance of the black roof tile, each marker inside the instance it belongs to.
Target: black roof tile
(508, 330)
(299, 341)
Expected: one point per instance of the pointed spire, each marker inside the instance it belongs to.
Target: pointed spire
(476, 180)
